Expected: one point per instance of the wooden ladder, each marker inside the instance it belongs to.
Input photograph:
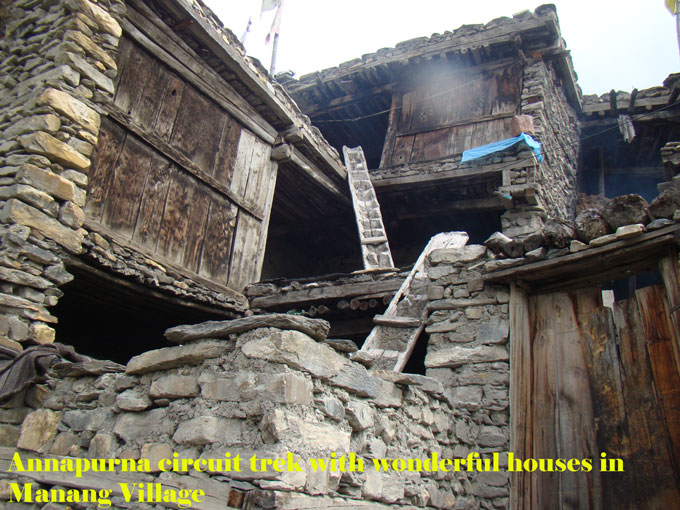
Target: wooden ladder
(375, 249)
(394, 336)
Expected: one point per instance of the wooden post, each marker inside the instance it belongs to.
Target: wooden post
(520, 395)
(275, 49)
(670, 272)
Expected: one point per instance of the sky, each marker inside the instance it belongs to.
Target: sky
(620, 45)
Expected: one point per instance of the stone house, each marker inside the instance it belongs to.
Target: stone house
(154, 175)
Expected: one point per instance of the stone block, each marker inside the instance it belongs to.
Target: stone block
(102, 446)
(16, 211)
(208, 430)
(56, 150)
(491, 436)
(72, 108)
(41, 333)
(154, 453)
(522, 124)
(469, 397)
(174, 386)
(87, 419)
(171, 357)
(283, 426)
(71, 215)
(296, 350)
(457, 255)
(137, 426)
(104, 20)
(332, 408)
(359, 415)
(38, 429)
(495, 332)
(9, 434)
(47, 181)
(76, 61)
(31, 196)
(48, 122)
(90, 47)
(133, 400)
(63, 443)
(457, 356)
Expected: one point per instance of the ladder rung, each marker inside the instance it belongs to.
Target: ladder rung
(374, 240)
(396, 322)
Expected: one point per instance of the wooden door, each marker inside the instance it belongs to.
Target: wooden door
(588, 380)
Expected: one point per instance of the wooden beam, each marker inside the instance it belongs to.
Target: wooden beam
(94, 226)
(80, 266)
(496, 36)
(521, 370)
(447, 175)
(342, 102)
(599, 264)
(297, 297)
(289, 154)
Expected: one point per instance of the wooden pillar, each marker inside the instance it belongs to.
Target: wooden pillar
(670, 272)
(521, 422)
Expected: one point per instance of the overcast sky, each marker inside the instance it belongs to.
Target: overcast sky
(622, 44)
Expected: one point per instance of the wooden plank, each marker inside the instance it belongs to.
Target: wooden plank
(299, 297)
(651, 484)
(171, 99)
(219, 233)
(127, 186)
(244, 155)
(654, 313)
(181, 160)
(208, 82)
(197, 217)
(226, 153)
(244, 259)
(392, 128)
(257, 174)
(397, 322)
(670, 272)
(106, 154)
(150, 90)
(521, 424)
(403, 147)
(269, 186)
(545, 486)
(198, 129)
(133, 77)
(175, 225)
(153, 203)
(430, 145)
(575, 420)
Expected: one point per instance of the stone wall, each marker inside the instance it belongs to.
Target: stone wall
(57, 63)
(468, 327)
(556, 127)
(266, 392)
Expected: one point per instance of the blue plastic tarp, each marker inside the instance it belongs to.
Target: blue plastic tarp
(485, 150)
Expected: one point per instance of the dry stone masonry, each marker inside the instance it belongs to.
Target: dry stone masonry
(57, 62)
(268, 392)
